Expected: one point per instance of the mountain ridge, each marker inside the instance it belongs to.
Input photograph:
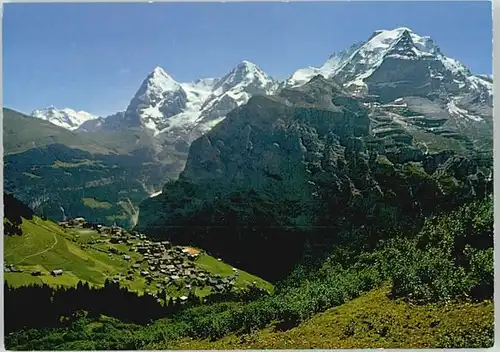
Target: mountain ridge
(187, 110)
(414, 96)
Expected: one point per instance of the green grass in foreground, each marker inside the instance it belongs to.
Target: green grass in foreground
(372, 320)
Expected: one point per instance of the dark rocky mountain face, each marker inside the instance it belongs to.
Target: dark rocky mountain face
(300, 168)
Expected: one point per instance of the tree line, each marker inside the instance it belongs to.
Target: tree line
(42, 306)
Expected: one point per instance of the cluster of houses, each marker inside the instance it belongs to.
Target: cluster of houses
(160, 264)
(78, 223)
(165, 265)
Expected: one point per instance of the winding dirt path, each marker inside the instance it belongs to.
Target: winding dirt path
(41, 252)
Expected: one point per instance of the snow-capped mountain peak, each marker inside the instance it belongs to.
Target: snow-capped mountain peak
(235, 89)
(160, 79)
(389, 64)
(159, 97)
(246, 74)
(66, 118)
(155, 85)
(390, 60)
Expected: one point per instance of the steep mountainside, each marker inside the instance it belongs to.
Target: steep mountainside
(284, 162)
(393, 290)
(436, 97)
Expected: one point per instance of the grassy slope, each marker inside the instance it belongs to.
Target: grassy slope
(77, 263)
(359, 324)
(45, 246)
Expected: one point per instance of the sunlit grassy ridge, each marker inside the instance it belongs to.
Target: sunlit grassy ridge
(370, 321)
(45, 246)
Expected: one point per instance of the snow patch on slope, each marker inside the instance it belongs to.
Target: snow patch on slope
(459, 112)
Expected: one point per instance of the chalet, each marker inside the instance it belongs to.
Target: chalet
(144, 272)
(64, 224)
(56, 272)
(115, 240)
(78, 222)
(126, 257)
(36, 273)
(142, 249)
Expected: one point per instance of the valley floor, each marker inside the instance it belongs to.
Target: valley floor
(372, 321)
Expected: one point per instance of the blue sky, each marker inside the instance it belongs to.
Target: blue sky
(93, 57)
